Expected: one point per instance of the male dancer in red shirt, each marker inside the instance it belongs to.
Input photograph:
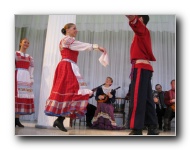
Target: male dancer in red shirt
(142, 105)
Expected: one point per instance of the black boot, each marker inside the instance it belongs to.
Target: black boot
(88, 121)
(88, 124)
(136, 132)
(17, 123)
(145, 128)
(152, 130)
(59, 123)
(166, 124)
(169, 125)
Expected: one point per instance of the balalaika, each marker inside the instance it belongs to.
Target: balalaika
(106, 97)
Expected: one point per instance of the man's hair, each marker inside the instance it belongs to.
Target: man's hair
(145, 18)
(157, 85)
(172, 81)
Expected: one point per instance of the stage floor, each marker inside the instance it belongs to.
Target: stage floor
(31, 130)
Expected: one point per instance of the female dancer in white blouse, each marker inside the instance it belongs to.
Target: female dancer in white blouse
(24, 97)
(69, 95)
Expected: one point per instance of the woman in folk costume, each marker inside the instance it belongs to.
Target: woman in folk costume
(104, 114)
(24, 97)
(69, 95)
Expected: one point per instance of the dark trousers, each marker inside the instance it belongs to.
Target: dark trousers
(142, 105)
(160, 115)
(169, 115)
(90, 113)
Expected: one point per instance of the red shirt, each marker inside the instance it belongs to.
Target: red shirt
(169, 95)
(141, 47)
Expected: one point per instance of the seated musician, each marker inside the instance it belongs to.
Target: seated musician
(104, 114)
(169, 100)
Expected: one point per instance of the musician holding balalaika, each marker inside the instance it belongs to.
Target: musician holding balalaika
(104, 115)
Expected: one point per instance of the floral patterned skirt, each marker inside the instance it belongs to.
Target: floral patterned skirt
(104, 118)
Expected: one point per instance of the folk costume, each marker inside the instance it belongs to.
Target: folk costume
(142, 105)
(24, 96)
(69, 95)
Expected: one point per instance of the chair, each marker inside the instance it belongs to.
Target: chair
(119, 108)
(83, 119)
(80, 121)
(88, 116)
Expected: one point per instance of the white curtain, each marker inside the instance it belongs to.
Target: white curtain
(51, 59)
(34, 28)
(114, 33)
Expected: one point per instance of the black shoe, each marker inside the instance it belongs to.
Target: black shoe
(17, 123)
(167, 129)
(59, 123)
(167, 125)
(145, 128)
(152, 130)
(160, 128)
(136, 132)
(88, 124)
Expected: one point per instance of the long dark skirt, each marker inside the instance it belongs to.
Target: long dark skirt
(104, 118)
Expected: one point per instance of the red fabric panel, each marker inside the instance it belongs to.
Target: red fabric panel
(132, 121)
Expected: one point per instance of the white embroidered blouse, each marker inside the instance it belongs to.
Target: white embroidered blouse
(71, 43)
